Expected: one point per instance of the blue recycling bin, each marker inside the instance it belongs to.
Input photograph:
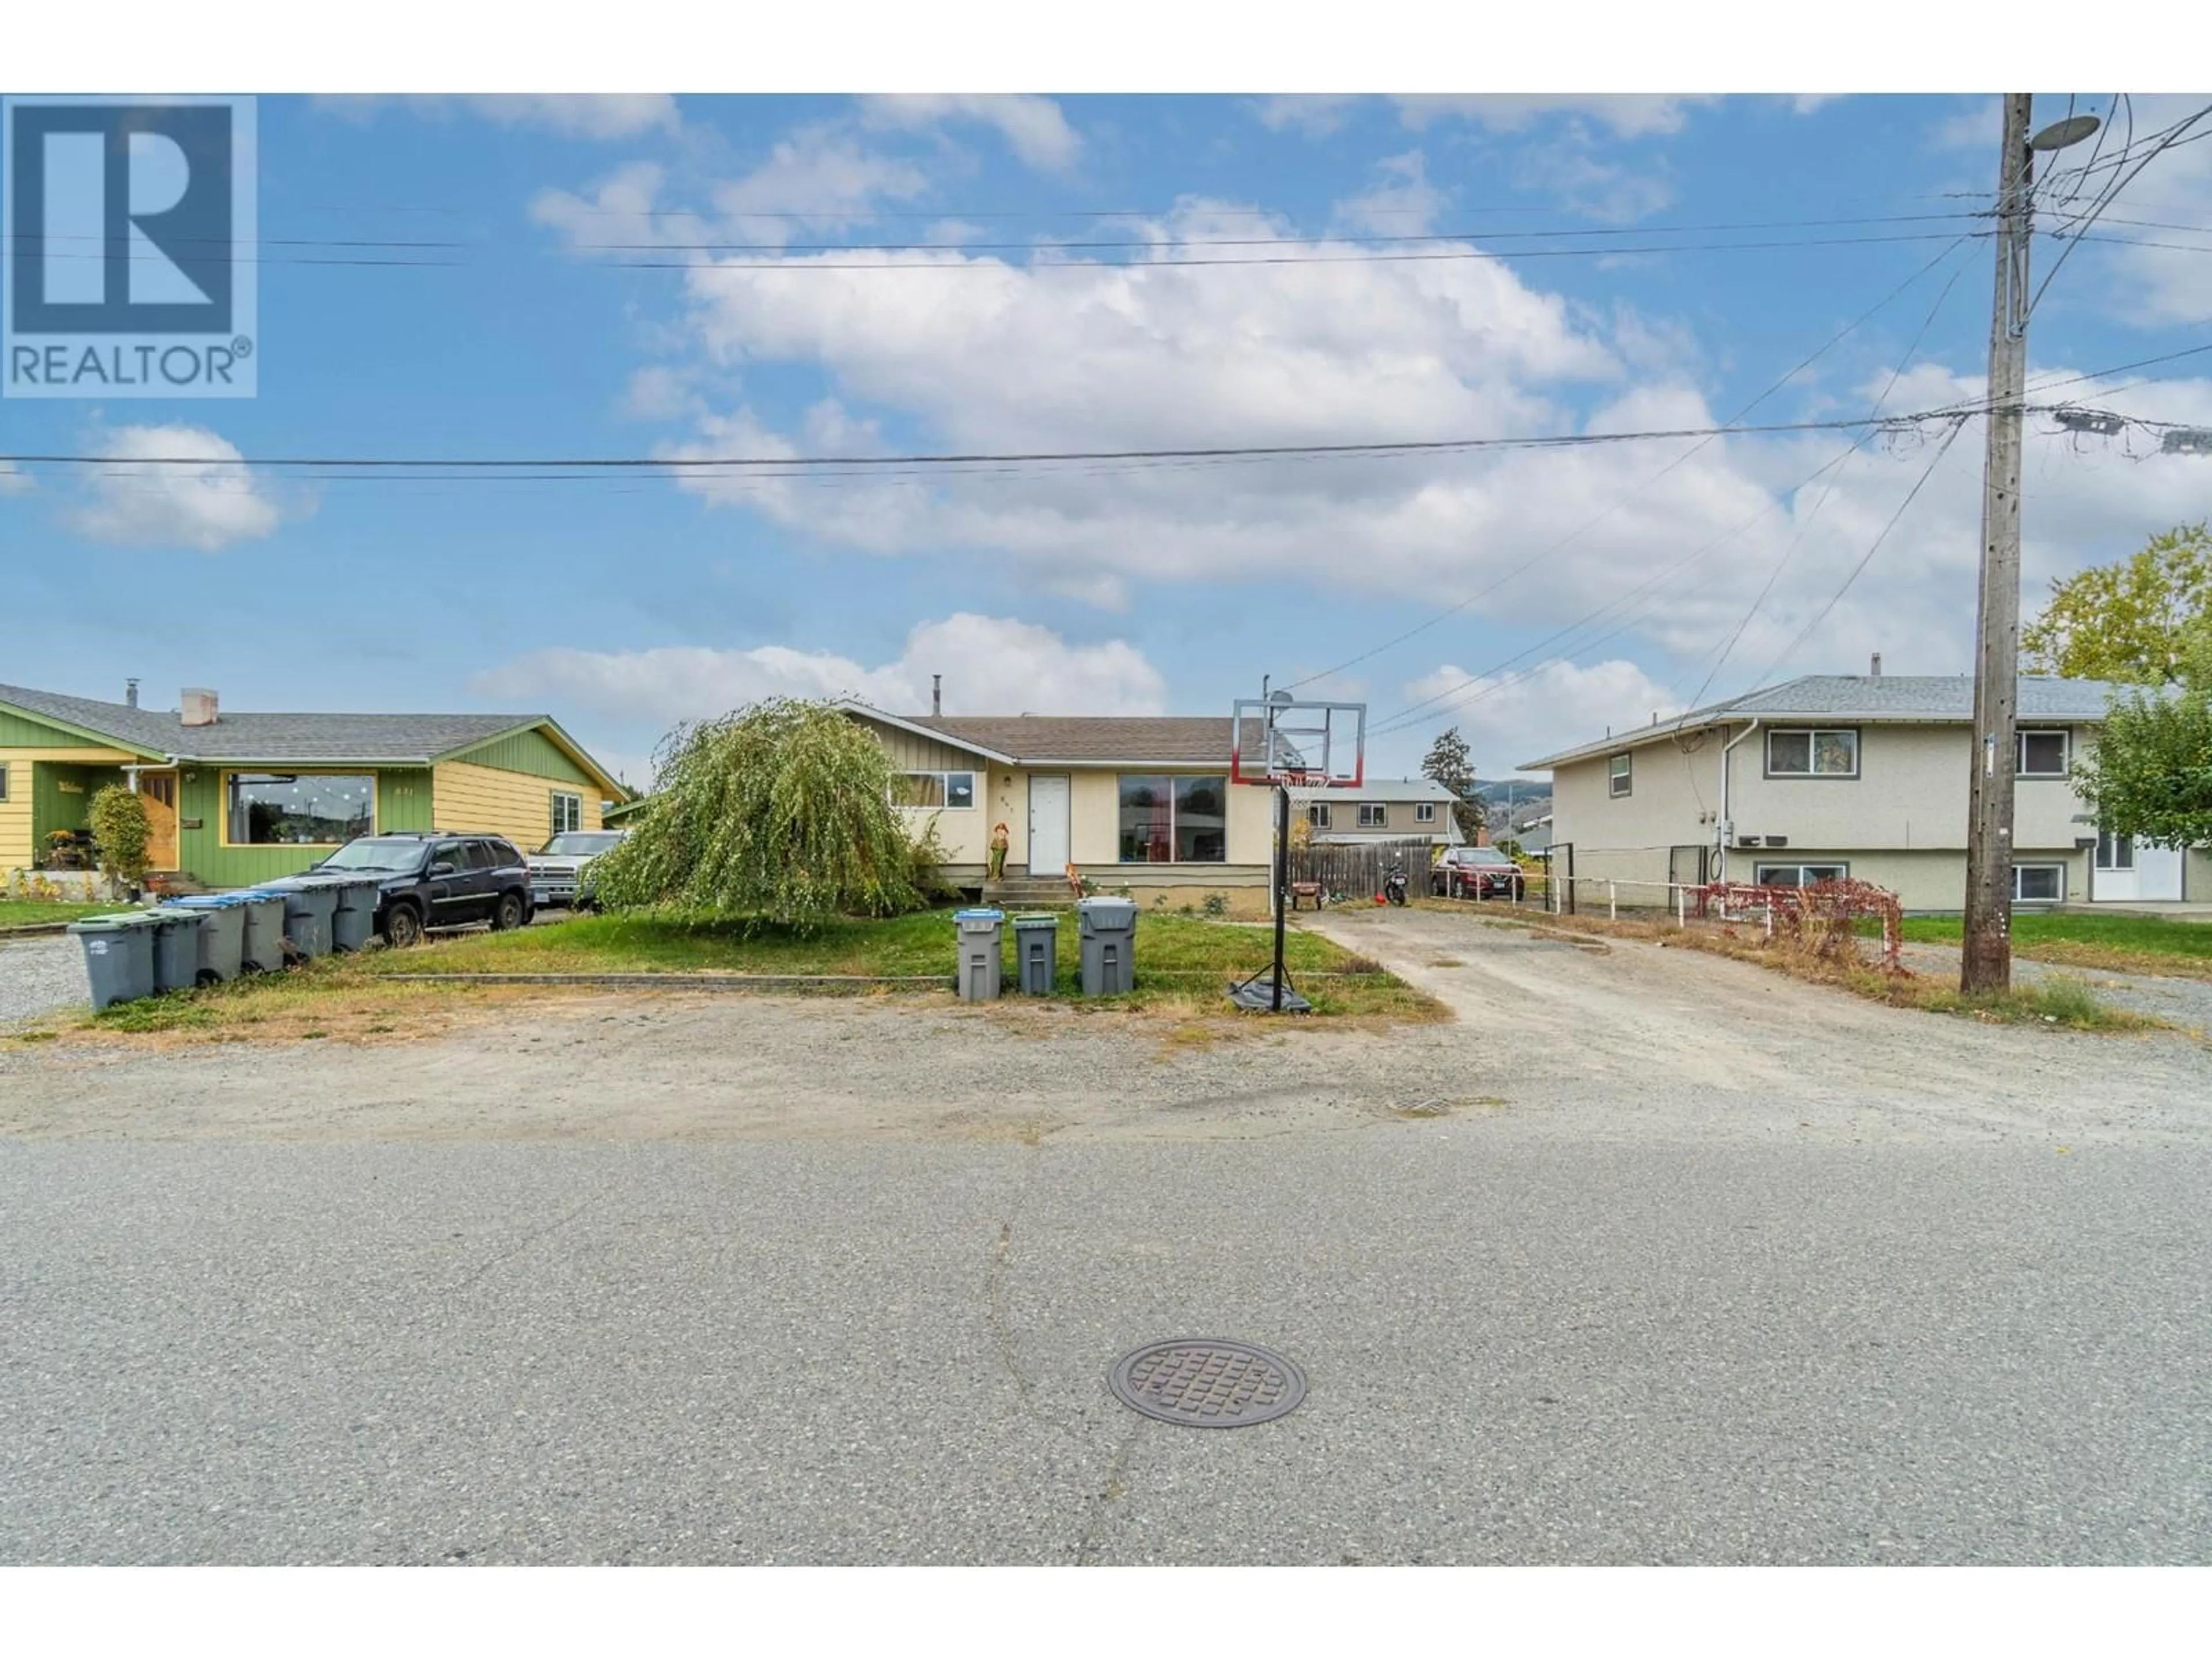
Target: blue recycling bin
(262, 952)
(309, 904)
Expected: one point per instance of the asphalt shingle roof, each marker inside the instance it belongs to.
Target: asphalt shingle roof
(249, 737)
(1867, 699)
(1197, 740)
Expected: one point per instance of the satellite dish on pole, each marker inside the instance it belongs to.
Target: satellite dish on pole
(1282, 699)
(2061, 134)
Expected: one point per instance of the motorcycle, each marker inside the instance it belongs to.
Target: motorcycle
(1394, 884)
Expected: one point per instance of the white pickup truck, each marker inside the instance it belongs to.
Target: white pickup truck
(556, 869)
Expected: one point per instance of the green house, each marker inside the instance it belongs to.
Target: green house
(235, 799)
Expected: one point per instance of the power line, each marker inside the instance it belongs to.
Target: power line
(702, 462)
(1866, 558)
(1482, 685)
(1615, 505)
(1827, 489)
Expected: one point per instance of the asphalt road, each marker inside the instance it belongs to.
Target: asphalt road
(874, 1351)
(1696, 1265)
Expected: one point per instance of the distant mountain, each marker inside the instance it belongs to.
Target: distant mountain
(1519, 791)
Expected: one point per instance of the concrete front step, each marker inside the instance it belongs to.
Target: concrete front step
(1029, 895)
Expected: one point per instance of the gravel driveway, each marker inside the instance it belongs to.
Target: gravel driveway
(38, 975)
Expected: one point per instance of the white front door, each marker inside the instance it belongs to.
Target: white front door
(1047, 823)
(2126, 872)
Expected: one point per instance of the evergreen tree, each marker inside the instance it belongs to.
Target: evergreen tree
(1451, 763)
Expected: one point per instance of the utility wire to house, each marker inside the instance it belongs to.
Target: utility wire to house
(1619, 501)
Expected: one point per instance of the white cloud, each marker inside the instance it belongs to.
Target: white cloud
(1315, 114)
(207, 505)
(1522, 713)
(2147, 284)
(990, 665)
(1402, 202)
(1609, 192)
(816, 180)
(1627, 115)
(582, 115)
(13, 481)
(1034, 126)
(1663, 549)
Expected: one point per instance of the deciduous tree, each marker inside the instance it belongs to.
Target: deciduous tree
(2150, 774)
(2134, 621)
(781, 812)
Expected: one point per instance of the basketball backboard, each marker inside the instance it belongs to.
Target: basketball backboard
(1288, 741)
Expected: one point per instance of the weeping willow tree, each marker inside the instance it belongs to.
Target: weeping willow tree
(780, 813)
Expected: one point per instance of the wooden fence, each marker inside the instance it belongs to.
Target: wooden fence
(1354, 871)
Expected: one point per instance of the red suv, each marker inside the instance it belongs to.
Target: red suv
(1477, 873)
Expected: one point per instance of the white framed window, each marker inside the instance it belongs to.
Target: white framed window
(568, 812)
(954, 791)
(1620, 776)
(1374, 814)
(1812, 752)
(1798, 875)
(2116, 851)
(1318, 815)
(1424, 811)
(2041, 755)
(2039, 883)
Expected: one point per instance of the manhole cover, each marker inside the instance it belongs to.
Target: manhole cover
(1207, 1383)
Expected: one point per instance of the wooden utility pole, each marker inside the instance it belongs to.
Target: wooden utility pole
(1986, 964)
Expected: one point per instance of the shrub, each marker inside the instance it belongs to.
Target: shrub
(119, 830)
(1217, 904)
(779, 812)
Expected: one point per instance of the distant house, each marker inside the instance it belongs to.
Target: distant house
(1143, 802)
(235, 799)
(1853, 775)
(1386, 809)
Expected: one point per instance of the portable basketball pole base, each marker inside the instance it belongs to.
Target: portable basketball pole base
(1305, 754)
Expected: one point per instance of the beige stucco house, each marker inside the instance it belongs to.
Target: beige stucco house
(1385, 809)
(1138, 802)
(1848, 774)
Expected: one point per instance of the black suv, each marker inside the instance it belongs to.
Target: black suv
(436, 878)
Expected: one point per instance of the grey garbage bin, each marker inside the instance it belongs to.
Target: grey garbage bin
(976, 932)
(263, 948)
(1036, 946)
(353, 924)
(308, 906)
(118, 957)
(177, 948)
(223, 940)
(1108, 946)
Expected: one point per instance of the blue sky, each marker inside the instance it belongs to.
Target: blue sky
(620, 604)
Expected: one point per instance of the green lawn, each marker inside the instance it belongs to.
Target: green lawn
(1175, 954)
(1184, 967)
(31, 912)
(2141, 944)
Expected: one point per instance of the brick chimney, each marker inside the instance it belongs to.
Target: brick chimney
(198, 706)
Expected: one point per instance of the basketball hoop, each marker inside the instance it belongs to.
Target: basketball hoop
(1282, 742)
(1298, 748)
